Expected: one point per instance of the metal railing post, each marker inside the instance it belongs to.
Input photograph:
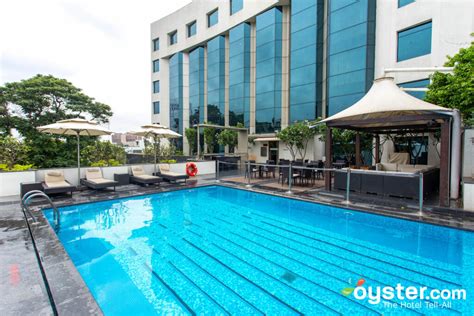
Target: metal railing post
(421, 194)
(348, 184)
(290, 178)
(248, 174)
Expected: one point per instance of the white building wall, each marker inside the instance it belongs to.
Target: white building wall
(452, 23)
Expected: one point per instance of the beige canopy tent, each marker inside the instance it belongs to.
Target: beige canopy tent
(388, 109)
(77, 127)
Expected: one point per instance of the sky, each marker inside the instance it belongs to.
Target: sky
(101, 46)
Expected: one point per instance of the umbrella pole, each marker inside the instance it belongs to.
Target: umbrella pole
(155, 152)
(78, 159)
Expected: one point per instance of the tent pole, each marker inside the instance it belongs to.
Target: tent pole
(328, 163)
(358, 160)
(198, 143)
(78, 159)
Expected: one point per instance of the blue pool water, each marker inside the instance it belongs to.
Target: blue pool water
(217, 250)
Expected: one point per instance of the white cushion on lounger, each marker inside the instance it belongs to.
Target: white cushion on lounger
(145, 177)
(164, 168)
(53, 177)
(93, 174)
(172, 174)
(57, 184)
(100, 181)
(138, 171)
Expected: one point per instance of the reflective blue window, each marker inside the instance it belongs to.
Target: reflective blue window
(156, 86)
(192, 28)
(416, 84)
(196, 86)
(156, 44)
(156, 65)
(268, 71)
(216, 80)
(350, 52)
(212, 18)
(402, 3)
(239, 75)
(414, 42)
(173, 37)
(176, 96)
(156, 107)
(236, 6)
(306, 58)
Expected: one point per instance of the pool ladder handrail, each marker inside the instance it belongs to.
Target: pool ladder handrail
(37, 193)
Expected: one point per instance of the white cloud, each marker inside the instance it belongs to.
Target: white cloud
(101, 46)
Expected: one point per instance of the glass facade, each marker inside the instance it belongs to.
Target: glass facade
(236, 6)
(423, 83)
(173, 37)
(196, 86)
(239, 75)
(414, 42)
(306, 59)
(212, 18)
(176, 95)
(351, 50)
(402, 3)
(156, 65)
(156, 44)
(156, 107)
(192, 28)
(268, 71)
(216, 80)
(156, 86)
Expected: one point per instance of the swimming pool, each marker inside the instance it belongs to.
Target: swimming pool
(218, 250)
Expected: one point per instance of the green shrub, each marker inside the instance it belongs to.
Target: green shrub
(16, 167)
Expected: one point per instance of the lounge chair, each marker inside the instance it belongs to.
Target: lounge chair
(96, 181)
(171, 176)
(140, 177)
(54, 182)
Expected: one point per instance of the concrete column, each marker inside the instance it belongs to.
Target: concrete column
(377, 148)
(186, 148)
(285, 67)
(253, 73)
(357, 151)
(324, 70)
(226, 82)
(205, 93)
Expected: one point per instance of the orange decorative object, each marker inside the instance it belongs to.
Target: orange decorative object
(191, 169)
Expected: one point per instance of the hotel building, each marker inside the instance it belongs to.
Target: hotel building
(266, 63)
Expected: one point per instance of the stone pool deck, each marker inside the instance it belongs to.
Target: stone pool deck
(24, 289)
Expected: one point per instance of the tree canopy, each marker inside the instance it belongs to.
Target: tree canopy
(455, 90)
(296, 138)
(41, 100)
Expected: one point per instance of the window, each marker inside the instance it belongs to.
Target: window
(173, 36)
(212, 18)
(414, 42)
(156, 65)
(156, 86)
(156, 107)
(236, 6)
(156, 44)
(192, 29)
(423, 83)
(402, 3)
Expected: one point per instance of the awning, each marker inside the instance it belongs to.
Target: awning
(386, 105)
(267, 139)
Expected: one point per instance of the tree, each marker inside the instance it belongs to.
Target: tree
(13, 152)
(42, 100)
(228, 138)
(296, 138)
(455, 90)
(101, 154)
(209, 138)
(191, 134)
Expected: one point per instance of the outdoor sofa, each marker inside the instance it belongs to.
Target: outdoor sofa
(94, 180)
(140, 177)
(170, 176)
(387, 180)
(55, 183)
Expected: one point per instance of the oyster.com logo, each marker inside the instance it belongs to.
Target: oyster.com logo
(404, 296)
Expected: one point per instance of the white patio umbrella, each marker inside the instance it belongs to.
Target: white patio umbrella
(78, 127)
(156, 131)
